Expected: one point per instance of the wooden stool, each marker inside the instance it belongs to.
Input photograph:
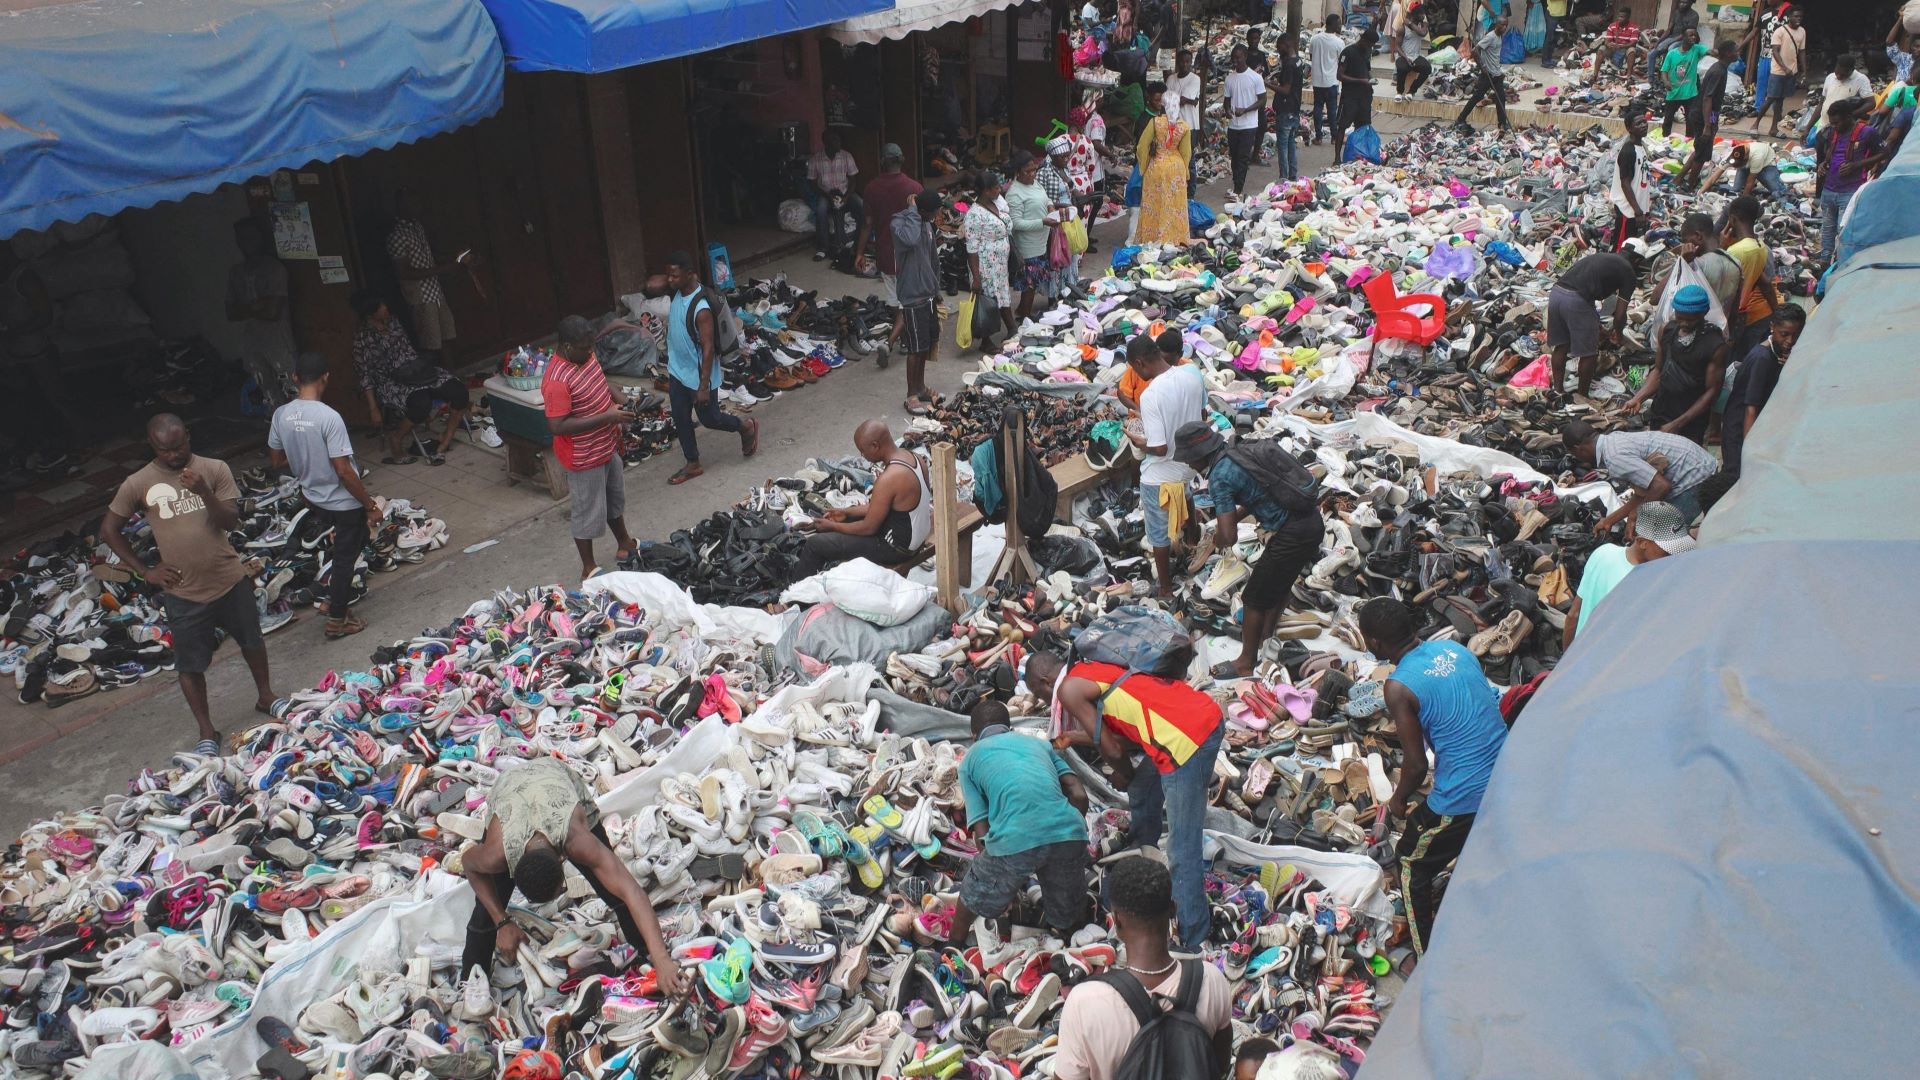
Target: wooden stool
(530, 461)
(992, 144)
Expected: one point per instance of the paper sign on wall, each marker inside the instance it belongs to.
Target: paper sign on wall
(293, 230)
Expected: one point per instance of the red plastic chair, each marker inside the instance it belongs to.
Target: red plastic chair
(1393, 320)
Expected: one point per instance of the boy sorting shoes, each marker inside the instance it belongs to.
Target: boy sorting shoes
(1029, 809)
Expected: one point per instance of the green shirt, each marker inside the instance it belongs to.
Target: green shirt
(1606, 567)
(1012, 782)
(1682, 69)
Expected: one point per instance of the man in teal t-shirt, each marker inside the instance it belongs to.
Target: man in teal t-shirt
(1681, 69)
(693, 369)
(1029, 810)
(1659, 530)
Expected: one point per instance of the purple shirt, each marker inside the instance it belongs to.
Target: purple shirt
(1848, 147)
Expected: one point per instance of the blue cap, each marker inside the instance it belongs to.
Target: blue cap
(1691, 299)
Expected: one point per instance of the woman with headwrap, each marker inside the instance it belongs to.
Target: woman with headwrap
(1165, 146)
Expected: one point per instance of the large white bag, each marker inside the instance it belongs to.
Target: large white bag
(864, 590)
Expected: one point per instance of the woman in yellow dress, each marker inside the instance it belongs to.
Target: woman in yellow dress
(1165, 147)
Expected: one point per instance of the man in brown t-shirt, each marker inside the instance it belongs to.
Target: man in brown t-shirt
(190, 504)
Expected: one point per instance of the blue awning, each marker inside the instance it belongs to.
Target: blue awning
(605, 35)
(111, 104)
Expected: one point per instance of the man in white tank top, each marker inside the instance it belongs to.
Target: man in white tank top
(895, 520)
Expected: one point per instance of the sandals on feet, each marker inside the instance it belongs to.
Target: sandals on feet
(686, 473)
(391, 460)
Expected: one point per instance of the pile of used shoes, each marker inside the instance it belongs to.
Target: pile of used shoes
(803, 862)
(78, 622)
(801, 840)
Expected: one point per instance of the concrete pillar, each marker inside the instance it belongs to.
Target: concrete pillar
(613, 167)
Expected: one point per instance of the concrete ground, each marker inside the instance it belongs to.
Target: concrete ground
(53, 760)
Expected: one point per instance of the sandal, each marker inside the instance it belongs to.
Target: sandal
(436, 459)
(344, 627)
(391, 460)
(916, 407)
(1225, 670)
(686, 473)
(750, 438)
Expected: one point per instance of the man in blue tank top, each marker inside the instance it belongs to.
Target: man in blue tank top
(1439, 698)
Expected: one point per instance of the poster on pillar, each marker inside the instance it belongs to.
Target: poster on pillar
(293, 230)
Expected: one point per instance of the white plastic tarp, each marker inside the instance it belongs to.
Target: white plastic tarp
(671, 607)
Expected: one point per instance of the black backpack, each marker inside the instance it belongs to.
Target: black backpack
(1172, 1044)
(1279, 473)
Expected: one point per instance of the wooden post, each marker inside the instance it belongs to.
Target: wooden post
(1014, 562)
(947, 554)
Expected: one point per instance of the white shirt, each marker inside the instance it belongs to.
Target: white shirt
(1183, 95)
(1243, 89)
(1175, 396)
(1097, 131)
(1089, 14)
(1834, 90)
(1323, 58)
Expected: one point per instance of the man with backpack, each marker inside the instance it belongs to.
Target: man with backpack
(1175, 729)
(693, 366)
(1159, 1016)
(1262, 479)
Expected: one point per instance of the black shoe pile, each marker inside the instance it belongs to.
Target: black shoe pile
(738, 557)
(77, 622)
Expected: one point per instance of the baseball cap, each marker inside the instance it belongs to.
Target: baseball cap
(892, 152)
(1665, 525)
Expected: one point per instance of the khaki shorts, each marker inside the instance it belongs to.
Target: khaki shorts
(433, 325)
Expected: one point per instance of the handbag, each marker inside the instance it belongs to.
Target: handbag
(963, 323)
(1058, 254)
(1076, 231)
(986, 318)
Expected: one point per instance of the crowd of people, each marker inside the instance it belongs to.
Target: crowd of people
(743, 952)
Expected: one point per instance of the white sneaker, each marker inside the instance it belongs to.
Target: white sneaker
(476, 995)
(487, 433)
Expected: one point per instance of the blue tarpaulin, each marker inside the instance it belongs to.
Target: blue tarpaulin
(1883, 210)
(111, 104)
(605, 35)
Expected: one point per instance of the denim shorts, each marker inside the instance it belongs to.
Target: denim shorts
(994, 882)
(1157, 534)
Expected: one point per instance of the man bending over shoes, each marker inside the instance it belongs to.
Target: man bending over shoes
(1176, 730)
(1439, 698)
(538, 815)
(1029, 811)
(1293, 539)
(892, 524)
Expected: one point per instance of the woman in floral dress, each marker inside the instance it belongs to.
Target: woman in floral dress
(989, 251)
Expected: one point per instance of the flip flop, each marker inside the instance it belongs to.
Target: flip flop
(916, 407)
(436, 459)
(391, 460)
(750, 438)
(1225, 670)
(683, 476)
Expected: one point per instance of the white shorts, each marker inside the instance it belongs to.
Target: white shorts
(889, 290)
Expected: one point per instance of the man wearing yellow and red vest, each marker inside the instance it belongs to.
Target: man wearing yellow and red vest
(1176, 730)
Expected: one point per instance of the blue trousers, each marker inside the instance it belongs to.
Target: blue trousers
(1178, 800)
(1327, 97)
(1286, 153)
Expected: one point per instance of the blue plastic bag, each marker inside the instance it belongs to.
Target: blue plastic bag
(1363, 144)
(1132, 197)
(1506, 253)
(1123, 257)
(1199, 216)
(1513, 47)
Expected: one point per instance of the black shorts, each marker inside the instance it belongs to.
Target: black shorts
(420, 403)
(1288, 552)
(994, 882)
(920, 327)
(1356, 107)
(193, 625)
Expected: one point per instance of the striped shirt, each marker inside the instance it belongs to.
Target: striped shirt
(580, 390)
(1638, 456)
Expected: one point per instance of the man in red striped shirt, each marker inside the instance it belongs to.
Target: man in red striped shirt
(586, 424)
